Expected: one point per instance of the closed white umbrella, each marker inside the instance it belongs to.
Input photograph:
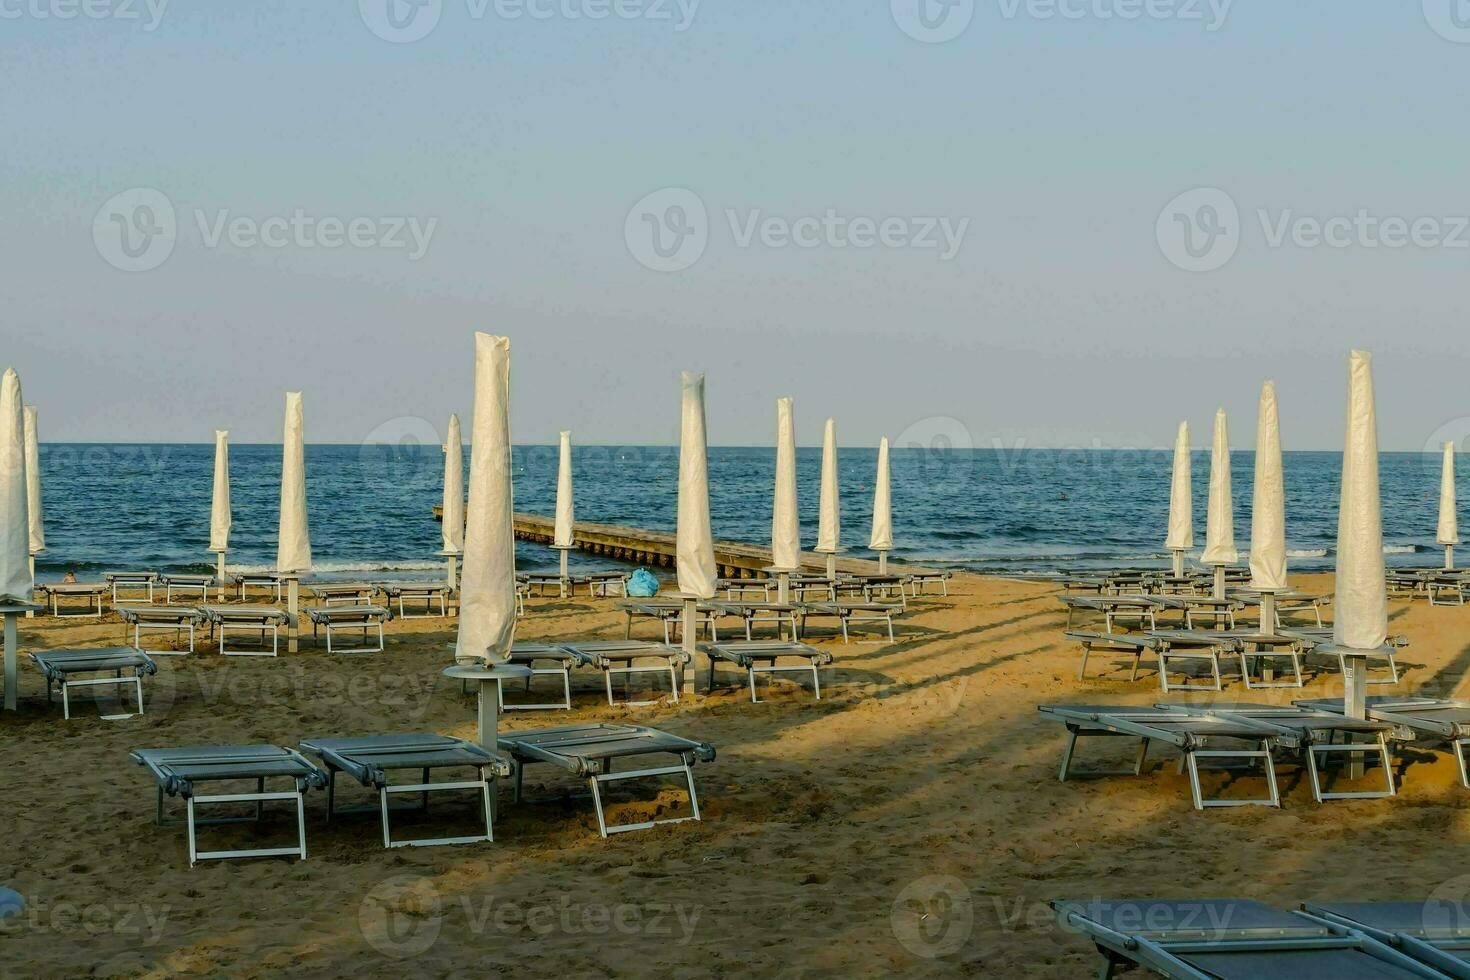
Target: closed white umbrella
(1449, 525)
(36, 525)
(1181, 502)
(1268, 510)
(452, 527)
(694, 544)
(219, 505)
(487, 610)
(563, 533)
(1361, 604)
(881, 538)
(15, 570)
(785, 525)
(293, 541)
(829, 516)
(1220, 518)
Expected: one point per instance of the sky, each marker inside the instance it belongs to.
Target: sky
(1000, 223)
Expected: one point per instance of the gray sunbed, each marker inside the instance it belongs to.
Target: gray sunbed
(349, 593)
(537, 656)
(850, 612)
(1433, 932)
(589, 751)
(1141, 610)
(747, 588)
(330, 619)
(627, 657)
(178, 770)
(754, 613)
(92, 592)
(603, 585)
(669, 613)
(1436, 718)
(89, 668)
(918, 581)
(1132, 644)
(256, 620)
(161, 619)
(260, 580)
(137, 581)
(765, 656)
(426, 592)
(1237, 939)
(1320, 640)
(370, 760)
(186, 583)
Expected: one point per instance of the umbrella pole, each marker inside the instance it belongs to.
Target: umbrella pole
(1219, 581)
(1449, 558)
(488, 717)
(1268, 613)
(220, 574)
(11, 679)
(293, 603)
(690, 683)
(832, 564)
(30, 613)
(882, 563)
(1178, 563)
(452, 573)
(564, 568)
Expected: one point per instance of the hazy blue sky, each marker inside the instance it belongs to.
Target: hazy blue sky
(520, 146)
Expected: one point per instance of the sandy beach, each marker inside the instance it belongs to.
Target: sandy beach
(911, 821)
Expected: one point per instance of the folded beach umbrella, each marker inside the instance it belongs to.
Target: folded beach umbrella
(15, 572)
(829, 516)
(293, 542)
(1268, 501)
(1181, 502)
(1220, 517)
(487, 606)
(219, 505)
(453, 509)
(1361, 620)
(695, 547)
(881, 538)
(1449, 526)
(36, 524)
(785, 528)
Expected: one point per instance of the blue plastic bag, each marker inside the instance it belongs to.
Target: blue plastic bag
(642, 584)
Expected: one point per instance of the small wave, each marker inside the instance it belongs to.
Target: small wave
(1306, 552)
(1401, 549)
(328, 567)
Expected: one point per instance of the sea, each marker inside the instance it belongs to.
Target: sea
(146, 506)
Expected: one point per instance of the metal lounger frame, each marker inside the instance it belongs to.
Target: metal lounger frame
(750, 655)
(181, 623)
(1125, 643)
(1401, 713)
(1433, 952)
(132, 581)
(57, 671)
(849, 613)
(564, 671)
(226, 620)
(89, 596)
(422, 591)
(365, 618)
(597, 659)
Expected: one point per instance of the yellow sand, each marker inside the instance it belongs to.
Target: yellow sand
(912, 821)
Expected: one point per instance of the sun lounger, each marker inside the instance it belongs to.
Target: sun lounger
(919, 581)
(1190, 734)
(523, 591)
(1260, 651)
(1220, 613)
(343, 593)
(330, 619)
(589, 751)
(1168, 584)
(765, 656)
(257, 620)
(372, 758)
(1304, 729)
(1406, 583)
(537, 656)
(186, 584)
(1175, 647)
(1214, 939)
(627, 657)
(1140, 610)
(753, 614)
(669, 613)
(163, 619)
(179, 770)
(1321, 641)
(539, 582)
(1131, 644)
(1447, 588)
(260, 580)
(1431, 718)
(138, 582)
(848, 612)
(92, 592)
(605, 585)
(1434, 932)
(67, 667)
(426, 592)
(871, 587)
(739, 589)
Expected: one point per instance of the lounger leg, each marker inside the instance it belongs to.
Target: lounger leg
(193, 847)
(1067, 754)
(597, 803)
(1142, 757)
(750, 674)
(1082, 671)
(301, 824)
(607, 676)
(1193, 765)
(816, 682)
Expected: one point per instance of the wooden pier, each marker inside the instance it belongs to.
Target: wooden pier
(736, 559)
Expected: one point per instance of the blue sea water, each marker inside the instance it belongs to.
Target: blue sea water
(370, 507)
